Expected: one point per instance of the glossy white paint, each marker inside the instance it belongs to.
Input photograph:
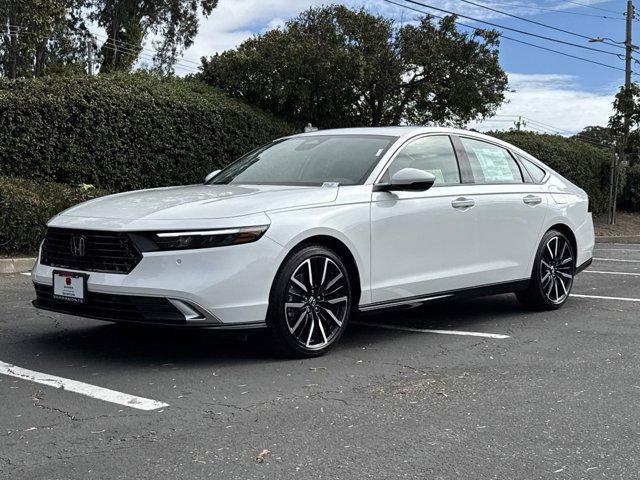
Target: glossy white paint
(404, 244)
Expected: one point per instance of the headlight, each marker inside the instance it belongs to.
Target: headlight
(205, 238)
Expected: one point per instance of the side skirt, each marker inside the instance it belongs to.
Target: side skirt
(584, 266)
(483, 290)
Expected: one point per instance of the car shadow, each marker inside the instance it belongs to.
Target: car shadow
(131, 345)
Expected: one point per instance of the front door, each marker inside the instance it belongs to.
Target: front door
(423, 242)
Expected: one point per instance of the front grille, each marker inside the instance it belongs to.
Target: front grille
(90, 251)
(124, 308)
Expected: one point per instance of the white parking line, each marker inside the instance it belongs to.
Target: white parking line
(423, 330)
(599, 297)
(616, 260)
(28, 274)
(82, 388)
(617, 249)
(613, 273)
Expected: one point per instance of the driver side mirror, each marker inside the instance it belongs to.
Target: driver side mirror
(407, 179)
(211, 175)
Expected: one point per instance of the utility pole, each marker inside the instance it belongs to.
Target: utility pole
(629, 47)
(90, 48)
(627, 105)
(520, 124)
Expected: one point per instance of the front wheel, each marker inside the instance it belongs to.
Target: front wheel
(552, 276)
(310, 302)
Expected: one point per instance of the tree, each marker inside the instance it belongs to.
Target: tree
(129, 22)
(336, 67)
(601, 135)
(41, 37)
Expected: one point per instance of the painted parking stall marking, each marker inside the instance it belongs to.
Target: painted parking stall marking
(425, 330)
(601, 297)
(615, 260)
(613, 273)
(81, 388)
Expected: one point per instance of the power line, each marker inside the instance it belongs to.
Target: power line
(557, 40)
(109, 45)
(591, 6)
(513, 39)
(547, 128)
(534, 22)
(564, 12)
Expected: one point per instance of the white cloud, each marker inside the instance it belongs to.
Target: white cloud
(555, 100)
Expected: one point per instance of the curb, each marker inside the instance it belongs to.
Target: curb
(629, 239)
(16, 265)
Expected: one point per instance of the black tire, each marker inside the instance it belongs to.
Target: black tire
(310, 302)
(552, 275)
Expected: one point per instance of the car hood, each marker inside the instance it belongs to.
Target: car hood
(200, 202)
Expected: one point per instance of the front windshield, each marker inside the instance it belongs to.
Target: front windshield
(314, 160)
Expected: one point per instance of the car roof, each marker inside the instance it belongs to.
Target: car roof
(406, 132)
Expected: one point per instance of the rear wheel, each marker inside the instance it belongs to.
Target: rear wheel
(552, 276)
(310, 302)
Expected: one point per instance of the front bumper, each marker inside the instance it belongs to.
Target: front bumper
(226, 287)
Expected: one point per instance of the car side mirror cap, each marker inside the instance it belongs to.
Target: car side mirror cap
(408, 179)
(211, 175)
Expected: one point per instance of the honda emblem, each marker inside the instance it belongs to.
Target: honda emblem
(78, 245)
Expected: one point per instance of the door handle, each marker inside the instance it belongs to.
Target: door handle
(532, 200)
(463, 203)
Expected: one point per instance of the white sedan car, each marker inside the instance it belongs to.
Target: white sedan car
(301, 233)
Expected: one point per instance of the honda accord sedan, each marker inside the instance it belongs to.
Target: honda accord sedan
(301, 234)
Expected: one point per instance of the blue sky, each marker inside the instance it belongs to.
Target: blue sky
(549, 88)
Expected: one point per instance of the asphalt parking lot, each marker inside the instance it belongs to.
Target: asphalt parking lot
(404, 395)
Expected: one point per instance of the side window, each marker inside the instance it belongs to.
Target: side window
(534, 170)
(490, 163)
(434, 154)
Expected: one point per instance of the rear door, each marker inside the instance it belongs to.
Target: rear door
(510, 210)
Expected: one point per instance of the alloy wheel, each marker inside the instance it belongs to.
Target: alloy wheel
(317, 302)
(556, 267)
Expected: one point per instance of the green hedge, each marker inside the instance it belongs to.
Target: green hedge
(583, 164)
(26, 206)
(124, 132)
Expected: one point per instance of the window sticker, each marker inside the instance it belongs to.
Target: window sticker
(494, 164)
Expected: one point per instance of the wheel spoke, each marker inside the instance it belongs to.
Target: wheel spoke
(550, 251)
(561, 282)
(313, 322)
(332, 282)
(546, 265)
(310, 273)
(546, 277)
(337, 300)
(324, 335)
(324, 271)
(566, 260)
(549, 289)
(298, 322)
(565, 275)
(294, 305)
(555, 286)
(333, 317)
(299, 284)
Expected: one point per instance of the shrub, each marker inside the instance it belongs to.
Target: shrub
(26, 206)
(585, 165)
(631, 191)
(124, 132)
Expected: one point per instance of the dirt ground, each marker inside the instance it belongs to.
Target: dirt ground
(627, 225)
